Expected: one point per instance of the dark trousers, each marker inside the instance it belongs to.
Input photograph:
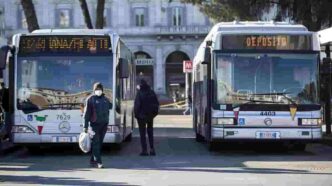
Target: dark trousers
(97, 141)
(146, 125)
(5, 129)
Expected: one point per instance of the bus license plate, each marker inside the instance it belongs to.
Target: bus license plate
(62, 139)
(268, 135)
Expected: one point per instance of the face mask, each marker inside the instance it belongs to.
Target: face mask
(98, 92)
(138, 87)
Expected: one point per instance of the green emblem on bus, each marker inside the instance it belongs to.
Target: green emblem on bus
(41, 118)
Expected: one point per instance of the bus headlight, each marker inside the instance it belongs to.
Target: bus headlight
(311, 121)
(223, 121)
(21, 129)
(113, 128)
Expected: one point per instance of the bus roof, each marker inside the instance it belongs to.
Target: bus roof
(237, 27)
(259, 26)
(72, 32)
(325, 36)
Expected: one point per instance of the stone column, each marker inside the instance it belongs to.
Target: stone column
(159, 72)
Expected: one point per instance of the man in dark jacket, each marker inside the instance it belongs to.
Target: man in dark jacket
(4, 96)
(96, 113)
(146, 108)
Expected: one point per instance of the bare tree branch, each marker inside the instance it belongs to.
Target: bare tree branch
(100, 14)
(86, 14)
(30, 15)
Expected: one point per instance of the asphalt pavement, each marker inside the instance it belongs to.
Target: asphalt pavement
(180, 161)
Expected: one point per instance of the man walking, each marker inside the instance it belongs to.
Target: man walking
(4, 100)
(146, 108)
(96, 113)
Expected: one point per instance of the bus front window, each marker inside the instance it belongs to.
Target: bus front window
(60, 82)
(266, 78)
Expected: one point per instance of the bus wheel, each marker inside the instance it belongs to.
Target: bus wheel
(199, 138)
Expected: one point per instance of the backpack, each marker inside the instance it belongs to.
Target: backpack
(150, 104)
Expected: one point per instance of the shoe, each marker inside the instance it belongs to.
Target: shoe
(152, 153)
(100, 166)
(143, 154)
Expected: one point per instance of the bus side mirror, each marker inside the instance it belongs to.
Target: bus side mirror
(3, 56)
(123, 68)
(207, 56)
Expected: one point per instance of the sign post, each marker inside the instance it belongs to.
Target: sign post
(187, 69)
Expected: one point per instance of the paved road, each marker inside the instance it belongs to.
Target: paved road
(180, 161)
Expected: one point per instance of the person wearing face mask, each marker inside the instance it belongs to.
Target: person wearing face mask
(96, 113)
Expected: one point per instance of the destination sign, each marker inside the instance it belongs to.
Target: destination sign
(65, 44)
(274, 42)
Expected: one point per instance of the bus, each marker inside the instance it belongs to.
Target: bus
(325, 38)
(257, 81)
(51, 72)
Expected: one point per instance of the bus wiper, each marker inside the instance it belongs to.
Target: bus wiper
(63, 105)
(283, 94)
(250, 101)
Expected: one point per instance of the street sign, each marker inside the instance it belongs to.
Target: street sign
(144, 62)
(187, 66)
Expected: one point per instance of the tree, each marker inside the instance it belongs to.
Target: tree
(314, 14)
(86, 14)
(30, 15)
(100, 14)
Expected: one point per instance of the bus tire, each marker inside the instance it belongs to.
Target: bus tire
(199, 138)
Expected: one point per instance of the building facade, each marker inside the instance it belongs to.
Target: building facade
(161, 33)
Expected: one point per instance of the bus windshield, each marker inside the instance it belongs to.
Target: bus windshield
(266, 78)
(56, 82)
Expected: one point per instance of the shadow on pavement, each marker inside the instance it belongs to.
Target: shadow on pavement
(55, 181)
(179, 152)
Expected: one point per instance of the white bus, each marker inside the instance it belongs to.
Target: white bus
(257, 81)
(51, 72)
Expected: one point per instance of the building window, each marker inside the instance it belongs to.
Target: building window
(177, 16)
(64, 18)
(22, 21)
(139, 17)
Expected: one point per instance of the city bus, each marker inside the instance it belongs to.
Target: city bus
(257, 81)
(51, 72)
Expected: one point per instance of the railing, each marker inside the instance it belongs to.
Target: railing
(183, 29)
(164, 30)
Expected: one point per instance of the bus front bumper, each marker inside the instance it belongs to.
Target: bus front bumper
(28, 138)
(234, 133)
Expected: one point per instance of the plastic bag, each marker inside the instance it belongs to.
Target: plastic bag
(85, 142)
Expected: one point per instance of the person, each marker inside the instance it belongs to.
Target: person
(146, 107)
(96, 113)
(189, 105)
(4, 94)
